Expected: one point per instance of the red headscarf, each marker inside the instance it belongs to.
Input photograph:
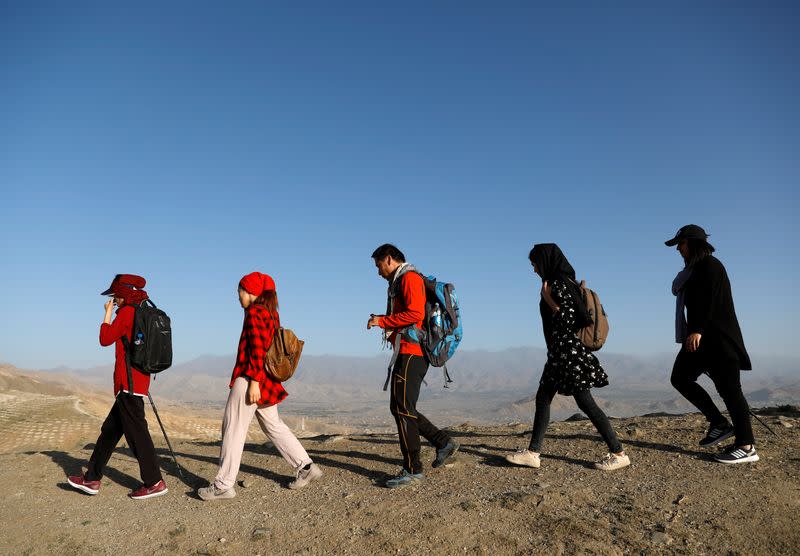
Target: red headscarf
(128, 287)
(257, 283)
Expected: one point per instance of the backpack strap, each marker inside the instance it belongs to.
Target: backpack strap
(395, 355)
(126, 345)
(446, 376)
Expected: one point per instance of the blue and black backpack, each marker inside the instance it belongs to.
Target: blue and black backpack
(441, 331)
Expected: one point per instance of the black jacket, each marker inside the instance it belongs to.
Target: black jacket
(710, 312)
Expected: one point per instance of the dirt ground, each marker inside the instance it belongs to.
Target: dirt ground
(672, 499)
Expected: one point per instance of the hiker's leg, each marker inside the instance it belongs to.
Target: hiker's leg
(417, 369)
(110, 433)
(235, 422)
(687, 369)
(541, 417)
(403, 406)
(727, 381)
(599, 419)
(282, 436)
(134, 425)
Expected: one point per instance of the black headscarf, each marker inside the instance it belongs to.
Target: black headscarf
(553, 265)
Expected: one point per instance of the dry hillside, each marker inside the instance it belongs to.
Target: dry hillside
(673, 498)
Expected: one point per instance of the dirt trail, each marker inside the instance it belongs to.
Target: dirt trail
(673, 498)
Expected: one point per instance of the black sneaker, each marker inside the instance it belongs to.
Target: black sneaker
(442, 454)
(734, 454)
(717, 434)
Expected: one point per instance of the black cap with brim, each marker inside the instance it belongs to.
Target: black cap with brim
(690, 231)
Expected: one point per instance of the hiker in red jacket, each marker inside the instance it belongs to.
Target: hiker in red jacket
(254, 393)
(127, 414)
(406, 309)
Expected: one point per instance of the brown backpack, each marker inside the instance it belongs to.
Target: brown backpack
(594, 335)
(283, 355)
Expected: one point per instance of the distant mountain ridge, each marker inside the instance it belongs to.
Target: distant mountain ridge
(489, 386)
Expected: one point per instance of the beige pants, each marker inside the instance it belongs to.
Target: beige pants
(236, 422)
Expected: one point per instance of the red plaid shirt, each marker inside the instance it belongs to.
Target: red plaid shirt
(257, 334)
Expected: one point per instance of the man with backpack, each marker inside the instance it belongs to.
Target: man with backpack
(403, 321)
(131, 386)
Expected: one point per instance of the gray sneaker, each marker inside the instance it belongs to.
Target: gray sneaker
(305, 476)
(405, 479)
(211, 492)
(445, 453)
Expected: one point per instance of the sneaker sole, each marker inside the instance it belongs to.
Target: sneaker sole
(521, 464)
(722, 438)
(403, 485)
(146, 496)
(224, 496)
(601, 468)
(748, 459)
(83, 488)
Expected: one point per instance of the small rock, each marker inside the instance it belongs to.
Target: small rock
(659, 537)
(222, 539)
(577, 417)
(633, 432)
(332, 439)
(246, 483)
(680, 499)
(259, 533)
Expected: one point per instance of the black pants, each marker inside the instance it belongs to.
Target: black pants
(586, 403)
(725, 375)
(126, 417)
(407, 375)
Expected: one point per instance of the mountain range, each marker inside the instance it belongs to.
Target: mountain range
(489, 386)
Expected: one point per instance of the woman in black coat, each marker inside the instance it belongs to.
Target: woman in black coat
(711, 342)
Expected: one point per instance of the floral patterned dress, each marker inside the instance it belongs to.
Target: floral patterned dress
(570, 366)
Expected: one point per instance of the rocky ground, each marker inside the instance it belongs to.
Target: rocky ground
(672, 499)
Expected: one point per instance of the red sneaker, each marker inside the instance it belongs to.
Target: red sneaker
(79, 482)
(143, 492)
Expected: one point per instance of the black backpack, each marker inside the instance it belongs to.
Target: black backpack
(150, 350)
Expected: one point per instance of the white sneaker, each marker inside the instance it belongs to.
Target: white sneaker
(525, 458)
(612, 461)
(211, 492)
(305, 476)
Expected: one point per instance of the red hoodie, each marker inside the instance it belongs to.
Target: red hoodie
(122, 326)
(408, 309)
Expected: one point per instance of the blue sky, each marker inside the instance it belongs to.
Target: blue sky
(194, 142)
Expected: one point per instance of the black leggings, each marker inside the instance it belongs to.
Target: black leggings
(725, 375)
(586, 403)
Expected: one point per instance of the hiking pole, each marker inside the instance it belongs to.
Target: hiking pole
(169, 445)
(763, 423)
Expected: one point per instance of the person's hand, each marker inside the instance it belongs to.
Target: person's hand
(548, 296)
(253, 392)
(373, 321)
(109, 306)
(693, 342)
